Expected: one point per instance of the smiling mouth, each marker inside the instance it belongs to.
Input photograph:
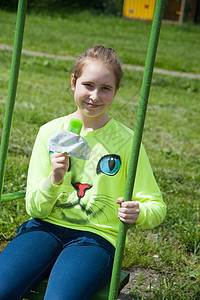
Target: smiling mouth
(92, 105)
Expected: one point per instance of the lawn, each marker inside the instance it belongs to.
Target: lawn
(70, 34)
(171, 136)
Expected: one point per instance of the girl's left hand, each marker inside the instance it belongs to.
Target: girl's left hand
(128, 212)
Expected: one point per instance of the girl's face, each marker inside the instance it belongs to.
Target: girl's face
(95, 89)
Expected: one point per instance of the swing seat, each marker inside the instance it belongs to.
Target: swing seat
(37, 293)
(39, 290)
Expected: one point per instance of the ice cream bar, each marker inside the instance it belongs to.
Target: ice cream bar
(75, 126)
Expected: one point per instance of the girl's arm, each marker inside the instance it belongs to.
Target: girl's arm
(41, 193)
(60, 165)
(147, 210)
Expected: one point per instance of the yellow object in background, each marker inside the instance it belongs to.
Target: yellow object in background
(139, 9)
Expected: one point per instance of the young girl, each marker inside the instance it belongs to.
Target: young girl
(76, 205)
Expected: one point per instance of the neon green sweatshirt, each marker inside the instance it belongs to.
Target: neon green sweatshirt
(86, 199)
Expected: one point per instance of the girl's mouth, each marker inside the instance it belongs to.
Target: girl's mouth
(92, 105)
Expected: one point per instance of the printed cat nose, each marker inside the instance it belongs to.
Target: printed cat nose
(81, 188)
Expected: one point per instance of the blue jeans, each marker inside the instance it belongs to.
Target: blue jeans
(79, 263)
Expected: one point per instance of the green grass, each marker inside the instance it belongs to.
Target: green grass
(171, 135)
(70, 34)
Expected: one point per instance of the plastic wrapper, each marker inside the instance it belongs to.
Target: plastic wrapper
(64, 141)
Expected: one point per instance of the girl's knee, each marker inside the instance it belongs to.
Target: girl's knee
(6, 291)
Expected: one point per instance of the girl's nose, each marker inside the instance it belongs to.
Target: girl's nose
(94, 95)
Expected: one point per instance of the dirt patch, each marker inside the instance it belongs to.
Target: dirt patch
(3, 244)
(146, 279)
(137, 68)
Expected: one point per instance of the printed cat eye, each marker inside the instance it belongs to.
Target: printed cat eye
(109, 164)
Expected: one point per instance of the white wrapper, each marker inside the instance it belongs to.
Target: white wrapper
(64, 141)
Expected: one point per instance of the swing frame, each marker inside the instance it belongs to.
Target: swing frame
(119, 278)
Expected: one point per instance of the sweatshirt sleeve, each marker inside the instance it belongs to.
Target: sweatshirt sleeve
(41, 192)
(148, 194)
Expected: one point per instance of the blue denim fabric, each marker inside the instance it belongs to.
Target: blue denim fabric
(80, 262)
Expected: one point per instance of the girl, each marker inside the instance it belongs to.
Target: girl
(76, 204)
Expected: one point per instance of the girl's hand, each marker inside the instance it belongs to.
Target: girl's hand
(128, 212)
(60, 165)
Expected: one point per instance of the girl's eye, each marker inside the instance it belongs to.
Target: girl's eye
(105, 88)
(109, 165)
(88, 85)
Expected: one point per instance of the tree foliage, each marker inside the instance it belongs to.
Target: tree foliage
(104, 6)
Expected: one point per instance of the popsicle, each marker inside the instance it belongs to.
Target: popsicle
(74, 126)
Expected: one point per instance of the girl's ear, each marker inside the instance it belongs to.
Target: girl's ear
(73, 82)
(116, 90)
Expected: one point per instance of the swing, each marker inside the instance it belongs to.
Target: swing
(119, 277)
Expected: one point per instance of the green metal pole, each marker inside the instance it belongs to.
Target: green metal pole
(12, 196)
(12, 88)
(139, 125)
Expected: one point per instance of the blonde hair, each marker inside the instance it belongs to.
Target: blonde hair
(102, 54)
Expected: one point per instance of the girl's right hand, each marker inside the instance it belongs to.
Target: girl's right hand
(60, 165)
